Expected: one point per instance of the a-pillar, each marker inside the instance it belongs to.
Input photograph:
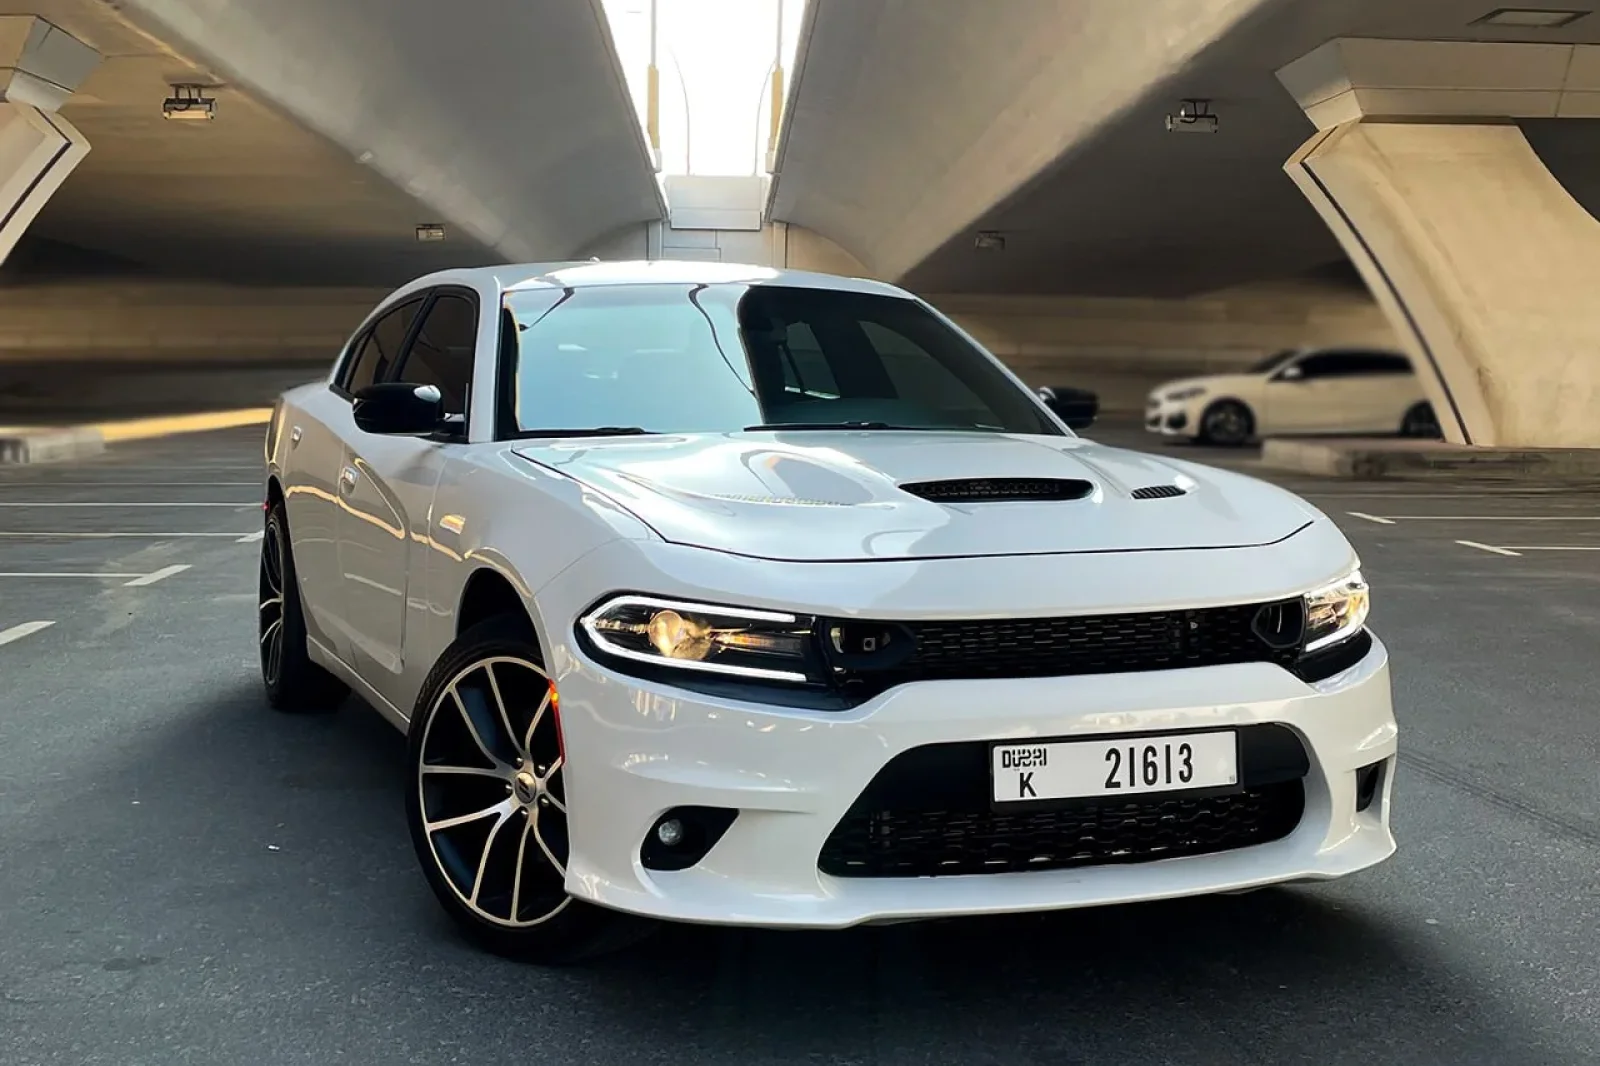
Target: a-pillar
(1486, 266)
(41, 66)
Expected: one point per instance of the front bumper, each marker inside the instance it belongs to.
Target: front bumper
(637, 750)
(1172, 418)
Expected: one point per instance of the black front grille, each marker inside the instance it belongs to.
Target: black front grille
(1084, 644)
(999, 490)
(928, 814)
(933, 843)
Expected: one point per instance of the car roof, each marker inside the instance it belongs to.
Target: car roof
(520, 277)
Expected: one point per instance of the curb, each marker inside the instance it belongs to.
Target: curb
(1376, 461)
(25, 445)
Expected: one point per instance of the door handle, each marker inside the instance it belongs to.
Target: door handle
(294, 436)
(347, 478)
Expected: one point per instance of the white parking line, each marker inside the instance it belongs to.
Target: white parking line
(1554, 548)
(26, 629)
(1371, 518)
(56, 483)
(66, 574)
(159, 575)
(1487, 547)
(251, 538)
(1495, 518)
(112, 536)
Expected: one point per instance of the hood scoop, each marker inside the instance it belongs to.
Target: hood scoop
(1158, 492)
(1000, 490)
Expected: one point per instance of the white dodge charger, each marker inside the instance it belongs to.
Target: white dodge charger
(723, 594)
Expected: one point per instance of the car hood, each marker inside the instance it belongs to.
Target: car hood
(826, 496)
(1213, 384)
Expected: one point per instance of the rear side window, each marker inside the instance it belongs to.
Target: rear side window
(376, 354)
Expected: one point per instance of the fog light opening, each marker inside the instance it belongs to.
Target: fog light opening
(683, 836)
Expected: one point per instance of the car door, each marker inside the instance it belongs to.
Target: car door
(1304, 396)
(1377, 393)
(387, 486)
(316, 430)
(371, 361)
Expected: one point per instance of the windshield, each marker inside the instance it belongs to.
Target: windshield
(721, 358)
(1274, 361)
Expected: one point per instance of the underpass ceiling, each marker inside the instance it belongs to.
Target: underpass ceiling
(342, 126)
(1128, 210)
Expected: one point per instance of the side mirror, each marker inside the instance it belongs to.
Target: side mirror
(1076, 407)
(1291, 373)
(398, 408)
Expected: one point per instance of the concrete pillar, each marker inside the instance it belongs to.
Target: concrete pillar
(1484, 264)
(40, 67)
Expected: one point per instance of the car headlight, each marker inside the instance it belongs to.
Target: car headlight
(1190, 393)
(767, 645)
(1336, 611)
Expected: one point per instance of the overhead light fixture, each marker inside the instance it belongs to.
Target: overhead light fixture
(189, 103)
(432, 231)
(990, 241)
(1194, 116)
(1527, 18)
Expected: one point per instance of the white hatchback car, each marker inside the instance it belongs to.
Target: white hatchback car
(724, 594)
(1296, 393)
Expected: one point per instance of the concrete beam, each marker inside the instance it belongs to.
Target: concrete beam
(1354, 78)
(41, 64)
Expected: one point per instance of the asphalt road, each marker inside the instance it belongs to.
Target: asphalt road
(187, 877)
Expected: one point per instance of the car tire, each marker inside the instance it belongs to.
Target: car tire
(486, 757)
(293, 682)
(1227, 423)
(1420, 422)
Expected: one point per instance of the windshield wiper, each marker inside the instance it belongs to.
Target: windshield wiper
(590, 431)
(822, 425)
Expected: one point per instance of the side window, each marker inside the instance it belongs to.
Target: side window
(1384, 363)
(442, 353)
(915, 374)
(382, 344)
(1327, 365)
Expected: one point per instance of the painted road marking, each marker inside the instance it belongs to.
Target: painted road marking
(114, 536)
(1554, 548)
(53, 574)
(159, 575)
(1487, 547)
(251, 538)
(26, 629)
(1494, 518)
(1371, 518)
(57, 483)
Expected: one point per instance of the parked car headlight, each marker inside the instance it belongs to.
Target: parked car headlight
(1336, 611)
(1178, 395)
(768, 645)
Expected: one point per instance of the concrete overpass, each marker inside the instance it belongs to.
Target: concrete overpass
(917, 125)
(1012, 160)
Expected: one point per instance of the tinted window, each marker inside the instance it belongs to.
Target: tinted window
(442, 353)
(1383, 363)
(377, 354)
(719, 358)
(1329, 365)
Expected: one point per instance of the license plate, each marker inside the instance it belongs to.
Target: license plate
(1126, 766)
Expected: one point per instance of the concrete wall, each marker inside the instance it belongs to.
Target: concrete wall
(144, 347)
(106, 349)
(1122, 347)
